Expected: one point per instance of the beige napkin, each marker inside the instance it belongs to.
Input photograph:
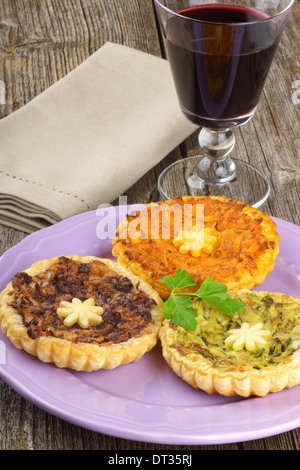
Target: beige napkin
(86, 139)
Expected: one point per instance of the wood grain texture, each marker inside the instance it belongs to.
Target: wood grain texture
(41, 41)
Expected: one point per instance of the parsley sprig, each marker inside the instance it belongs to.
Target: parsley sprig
(180, 305)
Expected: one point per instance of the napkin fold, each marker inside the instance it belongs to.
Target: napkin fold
(89, 137)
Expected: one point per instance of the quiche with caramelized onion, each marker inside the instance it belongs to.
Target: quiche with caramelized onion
(254, 352)
(227, 240)
(84, 313)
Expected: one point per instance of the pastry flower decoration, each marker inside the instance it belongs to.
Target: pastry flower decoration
(195, 241)
(84, 313)
(248, 337)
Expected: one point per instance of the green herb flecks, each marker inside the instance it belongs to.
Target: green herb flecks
(180, 305)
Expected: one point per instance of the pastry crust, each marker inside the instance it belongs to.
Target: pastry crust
(205, 361)
(241, 248)
(78, 354)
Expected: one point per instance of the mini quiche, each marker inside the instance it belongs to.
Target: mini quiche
(254, 352)
(81, 312)
(207, 236)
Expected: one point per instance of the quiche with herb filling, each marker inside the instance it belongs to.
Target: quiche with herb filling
(227, 240)
(254, 352)
(84, 313)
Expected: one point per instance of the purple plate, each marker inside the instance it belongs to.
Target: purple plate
(144, 401)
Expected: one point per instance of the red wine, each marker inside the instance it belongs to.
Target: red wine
(220, 61)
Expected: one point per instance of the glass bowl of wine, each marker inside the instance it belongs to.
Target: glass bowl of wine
(220, 54)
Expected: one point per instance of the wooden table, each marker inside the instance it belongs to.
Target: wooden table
(41, 41)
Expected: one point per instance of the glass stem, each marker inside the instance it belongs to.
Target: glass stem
(216, 166)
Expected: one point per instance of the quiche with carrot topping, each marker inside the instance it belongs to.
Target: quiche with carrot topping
(254, 352)
(207, 236)
(84, 313)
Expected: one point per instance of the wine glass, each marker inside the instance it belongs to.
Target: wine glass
(220, 54)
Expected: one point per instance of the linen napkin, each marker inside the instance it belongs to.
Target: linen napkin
(87, 138)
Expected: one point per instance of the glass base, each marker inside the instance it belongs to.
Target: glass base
(179, 179)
